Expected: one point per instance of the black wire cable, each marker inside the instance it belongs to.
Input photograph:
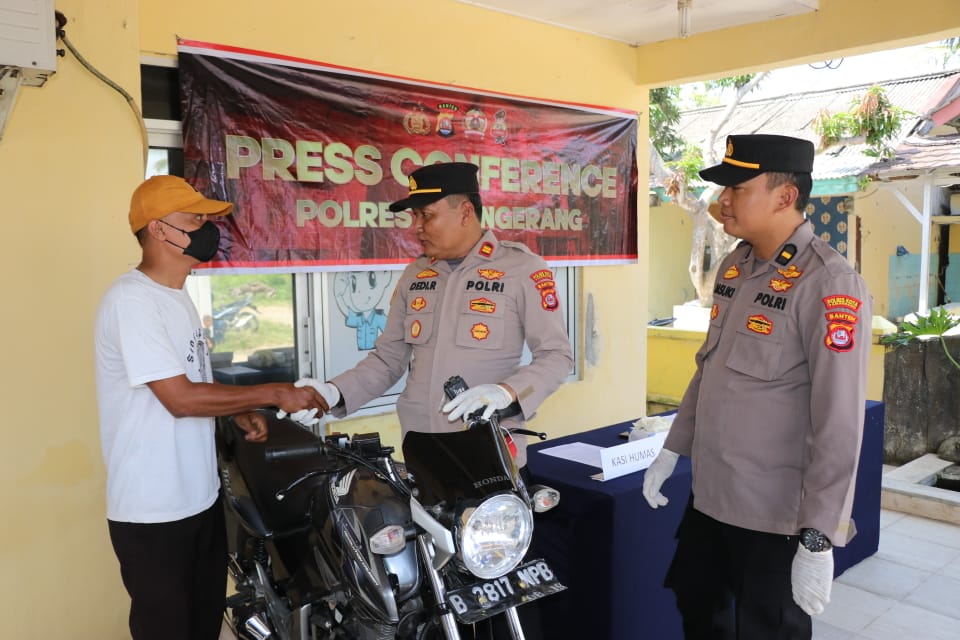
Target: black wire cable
(61, 34)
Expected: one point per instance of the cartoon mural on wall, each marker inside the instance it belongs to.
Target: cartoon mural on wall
(359, 295)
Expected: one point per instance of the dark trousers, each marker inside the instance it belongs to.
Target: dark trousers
(176, 575)
(733, 583)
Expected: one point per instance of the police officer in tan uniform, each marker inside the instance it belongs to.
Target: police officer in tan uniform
(773, 417)
(465, 307)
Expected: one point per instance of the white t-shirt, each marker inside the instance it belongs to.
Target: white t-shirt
(159, 468)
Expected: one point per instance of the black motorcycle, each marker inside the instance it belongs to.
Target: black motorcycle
(339, 541)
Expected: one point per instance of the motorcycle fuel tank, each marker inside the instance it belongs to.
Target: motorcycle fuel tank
(357, 506)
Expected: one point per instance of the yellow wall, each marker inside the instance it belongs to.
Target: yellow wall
(670, 363)
(71, 155)
(885, 224)
(669, 259)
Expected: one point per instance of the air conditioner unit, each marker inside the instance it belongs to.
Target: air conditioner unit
(28, 53)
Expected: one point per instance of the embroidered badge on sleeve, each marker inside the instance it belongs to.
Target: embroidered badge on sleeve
(543, 280)
(841, 320)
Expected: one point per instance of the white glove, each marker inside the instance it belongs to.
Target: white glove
(812, 579)
(657, 473)
(306, 417)
(329, 391)
(493, 396)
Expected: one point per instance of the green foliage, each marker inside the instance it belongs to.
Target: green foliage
(688, 164)
(664, 117)
(270, 293)
(936, 323)
(269, 334)
(872, 116)
(275, 287)
(730, 82)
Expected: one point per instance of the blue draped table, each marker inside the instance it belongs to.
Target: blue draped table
(612, 551)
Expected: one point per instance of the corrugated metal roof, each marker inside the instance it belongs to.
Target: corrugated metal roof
(794, 115)
(922, 155)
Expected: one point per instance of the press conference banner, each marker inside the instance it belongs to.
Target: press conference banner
(311, 155)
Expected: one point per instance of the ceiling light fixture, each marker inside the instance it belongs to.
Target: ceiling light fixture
(684, 7)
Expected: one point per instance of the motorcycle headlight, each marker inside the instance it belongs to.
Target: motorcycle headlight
(495, 535)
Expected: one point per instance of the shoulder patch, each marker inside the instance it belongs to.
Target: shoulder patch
(543, 281)
(517, 245)
(786, 254)
(842, 300)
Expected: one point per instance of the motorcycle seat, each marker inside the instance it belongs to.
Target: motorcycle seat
(266, 515)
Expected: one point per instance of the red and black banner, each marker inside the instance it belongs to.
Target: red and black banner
(311, 155)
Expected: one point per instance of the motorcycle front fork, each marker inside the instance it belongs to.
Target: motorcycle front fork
(447, 620)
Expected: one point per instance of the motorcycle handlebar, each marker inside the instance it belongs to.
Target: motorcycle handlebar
(286, 452)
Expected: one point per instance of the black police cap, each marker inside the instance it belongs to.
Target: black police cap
(748, 156)
(433, 182)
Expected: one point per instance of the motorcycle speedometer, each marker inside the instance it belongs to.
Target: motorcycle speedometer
(495, 535)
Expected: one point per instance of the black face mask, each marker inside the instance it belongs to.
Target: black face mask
(204, 242)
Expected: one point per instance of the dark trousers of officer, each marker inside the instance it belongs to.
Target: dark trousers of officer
(176, 575)
(733, 583)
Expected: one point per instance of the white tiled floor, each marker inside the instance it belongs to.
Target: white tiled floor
(908, 590)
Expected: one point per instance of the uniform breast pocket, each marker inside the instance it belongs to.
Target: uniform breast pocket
(756, 356)
(480, 324)
(417, 328)
(479, 331)
(713, 336)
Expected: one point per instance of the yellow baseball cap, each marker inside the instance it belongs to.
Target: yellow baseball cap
(160, 196)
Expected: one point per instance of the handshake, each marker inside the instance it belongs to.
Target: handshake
(309, 417)
(488, 397)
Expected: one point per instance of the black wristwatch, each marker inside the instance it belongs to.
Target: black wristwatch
(813, 540)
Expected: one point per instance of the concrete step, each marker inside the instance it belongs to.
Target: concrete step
(909, 489)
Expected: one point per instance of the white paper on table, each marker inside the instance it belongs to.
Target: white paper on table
(577, 452)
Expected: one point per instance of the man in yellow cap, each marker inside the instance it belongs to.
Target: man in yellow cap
(157, 400)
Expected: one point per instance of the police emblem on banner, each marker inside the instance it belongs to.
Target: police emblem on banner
(474, 124)
(445, 127)
(417, 122)
(499, 127)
